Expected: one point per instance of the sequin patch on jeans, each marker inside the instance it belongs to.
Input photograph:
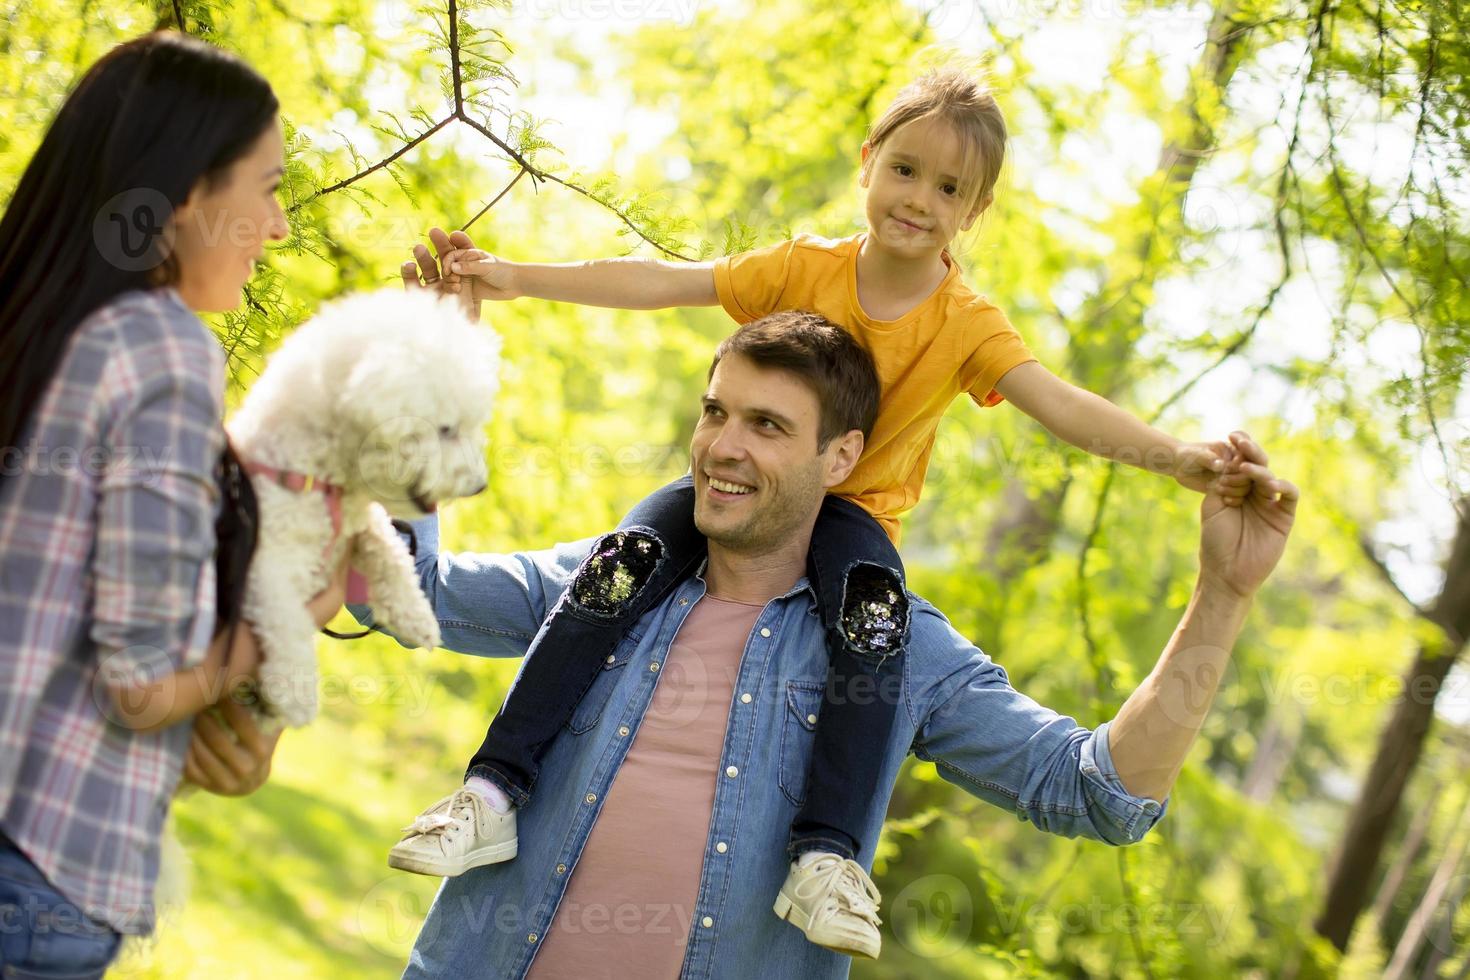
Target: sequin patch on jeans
(875, 611)
(616, 572)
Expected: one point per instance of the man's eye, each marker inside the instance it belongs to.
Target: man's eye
(711, 410)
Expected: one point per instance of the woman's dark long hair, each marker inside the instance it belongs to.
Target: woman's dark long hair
(150, 121)
(147, 123)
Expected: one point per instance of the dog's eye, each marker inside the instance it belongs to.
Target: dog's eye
(446, 431)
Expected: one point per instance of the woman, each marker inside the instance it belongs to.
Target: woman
(151, 197)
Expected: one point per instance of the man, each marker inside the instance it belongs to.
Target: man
(654, 844)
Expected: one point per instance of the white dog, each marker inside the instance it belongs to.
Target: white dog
(375, 408)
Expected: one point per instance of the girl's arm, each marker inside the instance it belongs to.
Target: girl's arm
(1091, 422)
(624, 284)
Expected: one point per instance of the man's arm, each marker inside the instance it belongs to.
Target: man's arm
(1001, 746)
(1239, 546)
(488, 605)
(1108, 783)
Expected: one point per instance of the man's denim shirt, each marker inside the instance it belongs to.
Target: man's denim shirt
(958, 711)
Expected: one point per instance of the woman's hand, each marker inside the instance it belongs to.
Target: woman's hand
(228, 754)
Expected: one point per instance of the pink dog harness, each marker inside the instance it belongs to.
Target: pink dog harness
(357, 588)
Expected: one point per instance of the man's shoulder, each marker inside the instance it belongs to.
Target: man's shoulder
(940, 658)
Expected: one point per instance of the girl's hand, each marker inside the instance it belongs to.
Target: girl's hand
(1211, 467)
(489, 277)
(429, 270)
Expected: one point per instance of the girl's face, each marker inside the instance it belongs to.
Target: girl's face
(220, 232)
(917, 191)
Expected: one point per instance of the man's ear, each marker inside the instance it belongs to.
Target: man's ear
(980, 207)
(842, 455)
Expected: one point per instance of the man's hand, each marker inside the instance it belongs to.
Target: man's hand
(426, 271)
(1240, 545)
(228, 754)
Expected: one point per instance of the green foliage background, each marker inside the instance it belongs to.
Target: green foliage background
(758, 110)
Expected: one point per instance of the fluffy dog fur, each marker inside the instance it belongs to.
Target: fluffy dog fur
(386, 395)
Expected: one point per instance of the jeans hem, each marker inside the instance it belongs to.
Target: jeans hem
(800, 845)
(519, 797)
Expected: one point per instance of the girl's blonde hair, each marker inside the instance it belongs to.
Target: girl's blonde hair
(967, 104)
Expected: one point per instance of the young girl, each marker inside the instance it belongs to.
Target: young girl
(929, 168)
(111, 391)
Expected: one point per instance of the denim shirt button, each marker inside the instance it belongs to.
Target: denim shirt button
(561, 869)
(591, 797)
(706, 922)
(530, 937)
(622, 731)
(745, 698)
(765, 631)
(722, 847)
(653, 666)
(732, 772)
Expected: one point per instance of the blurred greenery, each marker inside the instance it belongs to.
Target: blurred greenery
(1246, 215)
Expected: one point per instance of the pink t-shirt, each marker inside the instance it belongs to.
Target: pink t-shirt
(626, 911)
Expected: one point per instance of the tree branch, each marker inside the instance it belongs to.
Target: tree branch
(496, 200)
(1368, 552)
(461, 114)
(379, 165)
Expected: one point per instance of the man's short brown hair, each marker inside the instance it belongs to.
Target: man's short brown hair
(826, 357)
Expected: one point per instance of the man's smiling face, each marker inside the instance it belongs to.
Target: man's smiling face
(758, 477)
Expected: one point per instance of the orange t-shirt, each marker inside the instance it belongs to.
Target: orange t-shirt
(955, 341)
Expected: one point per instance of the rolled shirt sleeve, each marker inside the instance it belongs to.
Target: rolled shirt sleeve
(154, 575)
(999, 745)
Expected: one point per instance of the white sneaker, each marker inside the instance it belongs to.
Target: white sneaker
(459, 832)
(835, 903)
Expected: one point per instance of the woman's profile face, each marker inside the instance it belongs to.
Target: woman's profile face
(220, 232)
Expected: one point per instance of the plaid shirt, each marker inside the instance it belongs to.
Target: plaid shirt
(107, 516)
